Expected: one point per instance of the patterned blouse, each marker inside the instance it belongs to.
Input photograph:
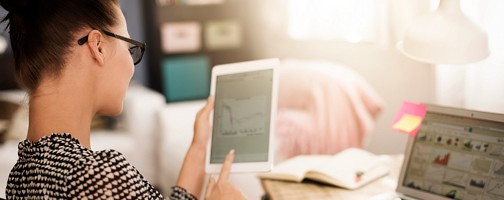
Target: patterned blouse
(58, 167)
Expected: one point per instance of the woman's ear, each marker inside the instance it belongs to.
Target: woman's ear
(95, 44)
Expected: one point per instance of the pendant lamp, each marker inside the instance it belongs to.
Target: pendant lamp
(445, 36)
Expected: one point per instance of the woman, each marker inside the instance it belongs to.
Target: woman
(75, 60)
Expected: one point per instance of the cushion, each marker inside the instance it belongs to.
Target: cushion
(323, 108)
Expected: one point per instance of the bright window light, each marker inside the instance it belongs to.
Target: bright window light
(350, 20)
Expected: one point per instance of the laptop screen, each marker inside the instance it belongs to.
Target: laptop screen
(457, 157)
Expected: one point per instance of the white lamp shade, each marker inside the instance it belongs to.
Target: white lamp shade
(445, 36)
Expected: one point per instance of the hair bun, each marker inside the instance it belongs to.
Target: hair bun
(14, 5)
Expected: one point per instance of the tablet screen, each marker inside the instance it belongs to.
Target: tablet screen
(242, 116)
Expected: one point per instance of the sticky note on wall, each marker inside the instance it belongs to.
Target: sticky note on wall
(180, 37)
(223, 34)
(409, 118)
(186, 78)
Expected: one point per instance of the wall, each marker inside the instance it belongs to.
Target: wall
(395, 77)
(134, 15)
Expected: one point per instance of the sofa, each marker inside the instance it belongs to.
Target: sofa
(136, 131)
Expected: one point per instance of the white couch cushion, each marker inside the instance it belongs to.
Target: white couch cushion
(8, 154)
(177, 123)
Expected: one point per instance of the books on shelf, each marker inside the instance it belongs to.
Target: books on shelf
(350, 168)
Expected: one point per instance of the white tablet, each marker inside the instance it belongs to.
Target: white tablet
(246, 97)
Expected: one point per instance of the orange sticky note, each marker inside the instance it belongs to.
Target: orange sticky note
(408, 123)
(409, 118)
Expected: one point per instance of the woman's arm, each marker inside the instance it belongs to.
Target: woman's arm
(192, 174)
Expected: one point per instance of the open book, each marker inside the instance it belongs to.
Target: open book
(350, 169)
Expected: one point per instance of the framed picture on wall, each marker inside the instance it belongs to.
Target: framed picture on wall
(180, 37)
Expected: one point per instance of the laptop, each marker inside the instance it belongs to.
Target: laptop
(456, 154)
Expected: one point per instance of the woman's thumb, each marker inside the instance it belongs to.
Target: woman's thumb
(211, 184)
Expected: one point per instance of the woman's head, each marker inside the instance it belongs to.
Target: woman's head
(43, 32)
(72, 40)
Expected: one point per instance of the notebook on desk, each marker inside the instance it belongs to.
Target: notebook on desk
(457, 154)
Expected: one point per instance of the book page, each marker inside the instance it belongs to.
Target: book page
(295, 168)
(350, 169)
(282, 190)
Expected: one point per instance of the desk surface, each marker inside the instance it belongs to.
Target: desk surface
(282, 190)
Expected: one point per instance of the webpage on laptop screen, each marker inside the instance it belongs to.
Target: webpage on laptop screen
(459, 158)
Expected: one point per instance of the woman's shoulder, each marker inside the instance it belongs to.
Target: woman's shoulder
(107, 173)
(108, 160)
(64, 148)
(79, 172)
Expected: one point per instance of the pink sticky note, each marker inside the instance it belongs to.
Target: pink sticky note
(409, 110)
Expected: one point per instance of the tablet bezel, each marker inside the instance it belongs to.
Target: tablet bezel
(234, 68)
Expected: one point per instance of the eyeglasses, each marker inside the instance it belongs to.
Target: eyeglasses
(136, 49)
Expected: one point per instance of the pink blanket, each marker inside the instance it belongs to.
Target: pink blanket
(323, 108)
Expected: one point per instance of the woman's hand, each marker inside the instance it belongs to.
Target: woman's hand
(202, 126)
(222, 189)
(192, 174)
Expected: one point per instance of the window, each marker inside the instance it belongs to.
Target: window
(350, 20)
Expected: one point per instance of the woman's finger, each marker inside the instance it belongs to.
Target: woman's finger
(210, 104)
(226, 167)
(211, 184)
(205, 111)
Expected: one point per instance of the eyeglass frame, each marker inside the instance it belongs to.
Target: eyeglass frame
(84, 39)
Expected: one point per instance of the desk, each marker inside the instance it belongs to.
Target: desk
(282, 190)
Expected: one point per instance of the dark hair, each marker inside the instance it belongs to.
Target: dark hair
(42, 32)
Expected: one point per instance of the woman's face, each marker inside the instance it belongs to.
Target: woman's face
(119, 69)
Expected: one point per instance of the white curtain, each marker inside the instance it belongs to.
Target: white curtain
(480, 85)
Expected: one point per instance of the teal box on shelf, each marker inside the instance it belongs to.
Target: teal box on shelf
(186, 78)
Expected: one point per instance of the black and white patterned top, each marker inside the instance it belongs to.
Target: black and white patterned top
(58, 167)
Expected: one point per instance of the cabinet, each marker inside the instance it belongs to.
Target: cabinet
(185, 41)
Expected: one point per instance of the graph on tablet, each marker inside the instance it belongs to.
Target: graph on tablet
(242, 116)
